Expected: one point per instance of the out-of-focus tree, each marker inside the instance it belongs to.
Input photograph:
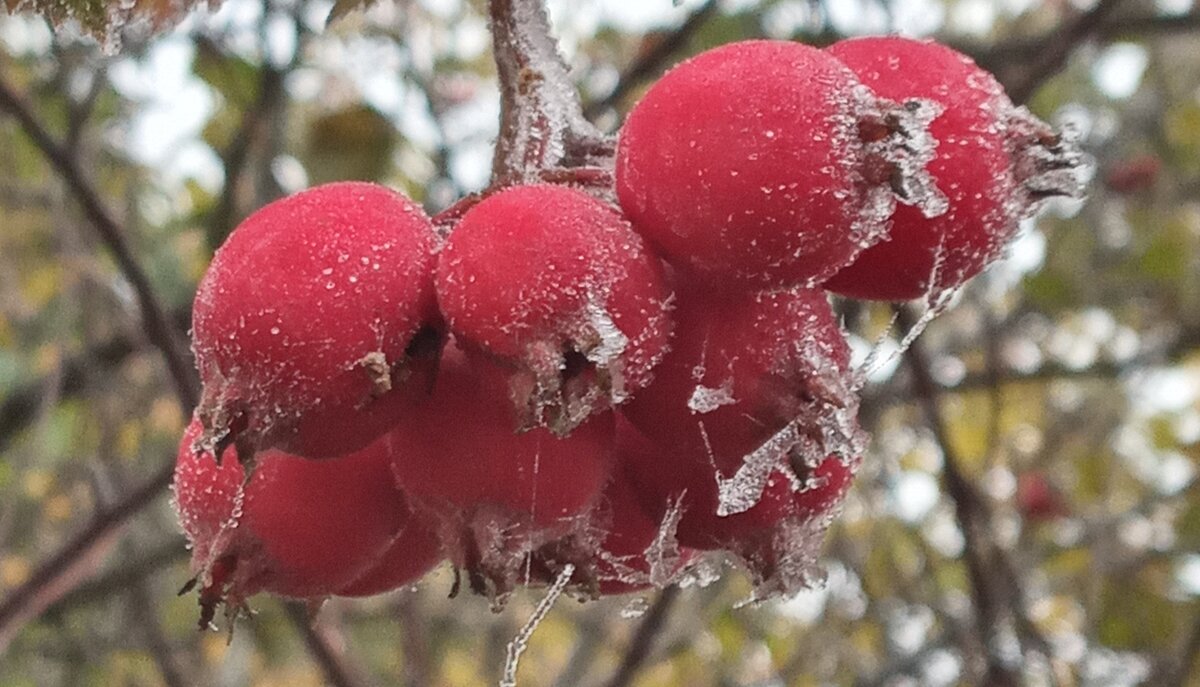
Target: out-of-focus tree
(1029, 511)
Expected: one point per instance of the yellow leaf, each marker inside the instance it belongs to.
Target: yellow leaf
(14, 570)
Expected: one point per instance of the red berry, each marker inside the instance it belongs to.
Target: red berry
(640, 549)
(778, 538)
(745, 367)
(981, 141)
(303, 323)
(628, 547)
(496, 494)
(553, 282)
(299, 528)
(1038, 500)
(414, 551)
(767, 163)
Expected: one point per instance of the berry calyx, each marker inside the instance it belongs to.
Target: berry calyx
(994, 162)
(297, 528)
(556, 285)
(777, 538)
(311, 317)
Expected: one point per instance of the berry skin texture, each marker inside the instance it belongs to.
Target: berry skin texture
(299, 528)
(303, 323)
(744, 367)
(414, 552)
(557, 286)
(495, 494)
(746, 163)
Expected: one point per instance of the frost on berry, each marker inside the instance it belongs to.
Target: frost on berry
(311, 318)
(629, 547)
(993, 162)
(767, 163)
(556, 286)
(497, 495)
(776, 539)
(751, 377)
(296, 528)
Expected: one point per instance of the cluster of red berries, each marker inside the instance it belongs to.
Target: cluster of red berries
(561, 384)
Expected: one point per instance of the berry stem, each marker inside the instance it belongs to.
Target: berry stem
(542, 125)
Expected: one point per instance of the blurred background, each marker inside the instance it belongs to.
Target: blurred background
(1028, 513)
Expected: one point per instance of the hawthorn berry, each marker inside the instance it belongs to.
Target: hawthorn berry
(777, 539)
(767, 163)
(750, 376)
(556, 285)
(310, 318)
(297, 528)
(495, 494)
(994, 162)
(413, 552)
(628, 547)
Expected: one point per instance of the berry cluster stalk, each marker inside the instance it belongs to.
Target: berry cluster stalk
(542, 127)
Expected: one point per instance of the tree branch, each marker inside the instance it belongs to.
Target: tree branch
(327, 656)
(78, 558)
(994, 584)
(158, 328)
(541, 120)
(75, 373)
(643, 639)
(1057, 48)
(651, 62)
(1012, 51)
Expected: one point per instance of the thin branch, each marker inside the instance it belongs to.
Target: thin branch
(643, 639)
(136, 570)
(154, 318)
(143, 613)
(1057, 48)
(237, 153)
(1012, 51)
(651, 63)
(75, 373)
(323, 651)
(995, 587)
(1183, 668)
(77, 559)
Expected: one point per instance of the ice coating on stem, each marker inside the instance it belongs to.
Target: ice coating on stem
(519, 643)
(542, 124)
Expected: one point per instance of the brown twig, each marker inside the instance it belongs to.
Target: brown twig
(997, 593)
(129, 573)
(323, 651)
(1057, 48)
(77, 558)
(643, 638)
(1018, 51)
(74, 375)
